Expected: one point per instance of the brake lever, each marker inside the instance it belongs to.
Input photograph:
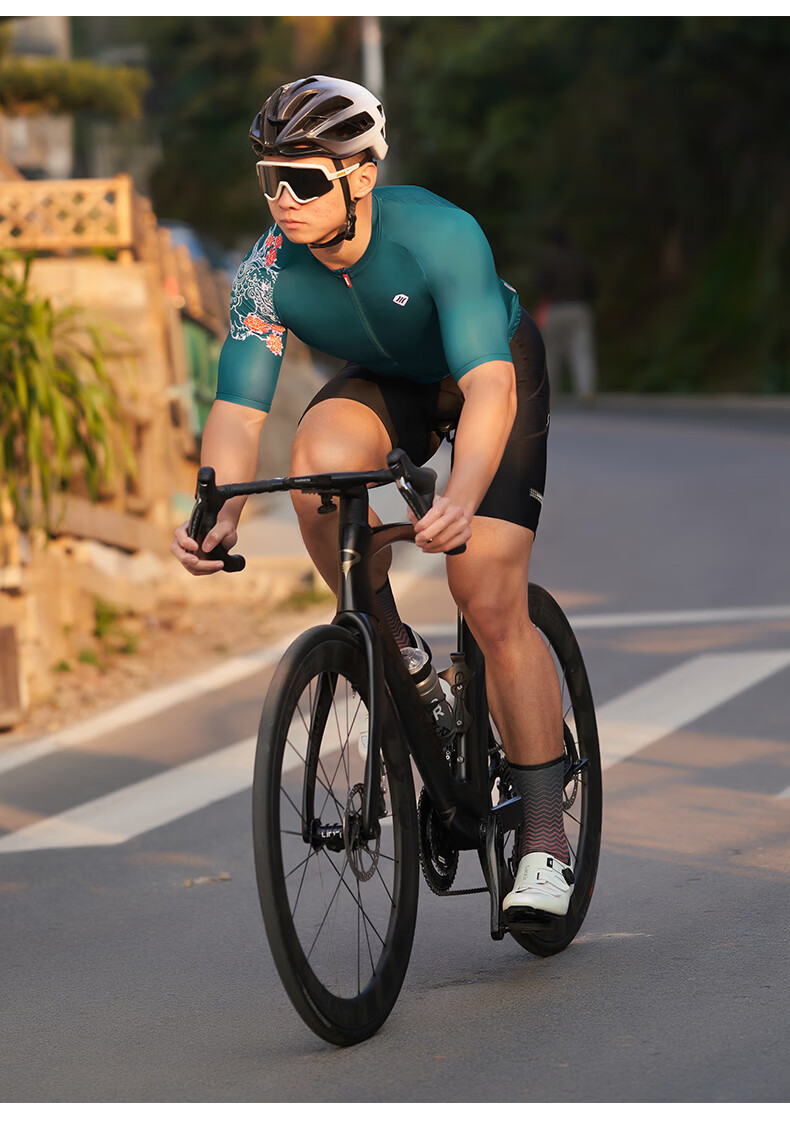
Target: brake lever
(418, 503)
(208, 503)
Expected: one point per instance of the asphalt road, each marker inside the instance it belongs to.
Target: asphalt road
(665, 535)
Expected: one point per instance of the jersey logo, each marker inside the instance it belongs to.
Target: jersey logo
(401, 299)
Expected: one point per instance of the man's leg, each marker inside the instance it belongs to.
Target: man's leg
(489, 583)
(336, 435)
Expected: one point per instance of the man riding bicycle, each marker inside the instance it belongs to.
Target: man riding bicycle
(403, 284)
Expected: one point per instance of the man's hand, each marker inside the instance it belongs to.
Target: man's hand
(444, 526)
(185, 549)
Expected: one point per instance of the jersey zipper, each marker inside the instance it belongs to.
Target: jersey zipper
(368, 328)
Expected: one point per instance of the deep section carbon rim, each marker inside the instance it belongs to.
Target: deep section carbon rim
(339, 907)
(583, 783)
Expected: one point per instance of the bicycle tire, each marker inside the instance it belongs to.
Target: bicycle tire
(324, 899)
(583, 816)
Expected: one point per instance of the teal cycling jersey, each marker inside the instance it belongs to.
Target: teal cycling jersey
(424, 301)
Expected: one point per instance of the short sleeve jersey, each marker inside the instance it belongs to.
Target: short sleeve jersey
(424, 301)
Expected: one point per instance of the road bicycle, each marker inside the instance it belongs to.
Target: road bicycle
(339, 834)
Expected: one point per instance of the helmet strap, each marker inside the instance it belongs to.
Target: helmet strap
(349, 229)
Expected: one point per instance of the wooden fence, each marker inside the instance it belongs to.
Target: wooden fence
(106, 214)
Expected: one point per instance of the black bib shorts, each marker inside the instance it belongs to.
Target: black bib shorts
(418, 415)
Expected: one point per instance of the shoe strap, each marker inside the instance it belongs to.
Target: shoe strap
(551, 869)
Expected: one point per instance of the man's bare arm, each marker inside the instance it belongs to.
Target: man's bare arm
(230, 445)
(483, 429)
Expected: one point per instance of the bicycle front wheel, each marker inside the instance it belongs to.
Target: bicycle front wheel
(339, 909)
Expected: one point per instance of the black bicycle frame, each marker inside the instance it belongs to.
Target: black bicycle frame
(460, 793)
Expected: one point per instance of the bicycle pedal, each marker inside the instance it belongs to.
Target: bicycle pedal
(524, 920)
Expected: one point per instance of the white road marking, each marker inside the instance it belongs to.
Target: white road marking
(655, 709)
(608, 620)
(689, 616)
(139, 808)
(155, 702)
(626, 725)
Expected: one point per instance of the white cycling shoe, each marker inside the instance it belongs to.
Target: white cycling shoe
(542, 883)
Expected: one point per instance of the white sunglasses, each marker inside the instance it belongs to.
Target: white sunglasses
(305, 181)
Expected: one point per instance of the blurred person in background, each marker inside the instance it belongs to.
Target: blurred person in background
(566, 288)
(403, 284)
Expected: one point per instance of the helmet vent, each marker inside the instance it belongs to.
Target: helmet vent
(295, 104)
(321, 116)
(352, 127)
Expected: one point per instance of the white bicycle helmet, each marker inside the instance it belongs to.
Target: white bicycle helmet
(320, 116)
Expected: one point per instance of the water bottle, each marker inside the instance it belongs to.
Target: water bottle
(431, 691)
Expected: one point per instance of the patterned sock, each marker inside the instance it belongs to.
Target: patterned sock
(540, 787)
(394, 622)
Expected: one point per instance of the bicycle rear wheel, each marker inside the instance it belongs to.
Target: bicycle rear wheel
(583, 790)
(339, 911)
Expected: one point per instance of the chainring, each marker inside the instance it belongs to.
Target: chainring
(439, 861)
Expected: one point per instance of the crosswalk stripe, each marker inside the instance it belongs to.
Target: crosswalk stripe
(592, 621)
(165, 698)
(673, 700)
(242, 667)
(154, 702)
(141, 807)
(626, 725)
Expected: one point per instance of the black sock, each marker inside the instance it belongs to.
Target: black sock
(541, 791)
(394, 622)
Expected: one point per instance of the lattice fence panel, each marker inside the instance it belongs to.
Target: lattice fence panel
(63, 215)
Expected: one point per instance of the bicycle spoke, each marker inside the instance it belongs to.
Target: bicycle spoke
(326, 915)
(301, 882)
(333, 901)
(386, 888)
(367, 917)
(292, 803)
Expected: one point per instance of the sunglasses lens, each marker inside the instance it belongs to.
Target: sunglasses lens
(305, 184)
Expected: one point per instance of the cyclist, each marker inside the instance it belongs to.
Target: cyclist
(403, 284)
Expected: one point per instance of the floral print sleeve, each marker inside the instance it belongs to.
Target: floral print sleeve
(252, 309)
(251, 357)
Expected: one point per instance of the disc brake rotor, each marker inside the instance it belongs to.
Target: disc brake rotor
(363, 855)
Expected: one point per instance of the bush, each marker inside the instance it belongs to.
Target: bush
(59, 412)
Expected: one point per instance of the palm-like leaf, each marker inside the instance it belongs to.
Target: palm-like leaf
(59, 410)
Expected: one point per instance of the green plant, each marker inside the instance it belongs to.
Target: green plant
(57, 86)
(89, 657)
(105, 616)
(130, 644)
(59, 411)
(302, 599)
(106, 629)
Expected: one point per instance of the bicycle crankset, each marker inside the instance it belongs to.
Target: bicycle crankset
(439, 861)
